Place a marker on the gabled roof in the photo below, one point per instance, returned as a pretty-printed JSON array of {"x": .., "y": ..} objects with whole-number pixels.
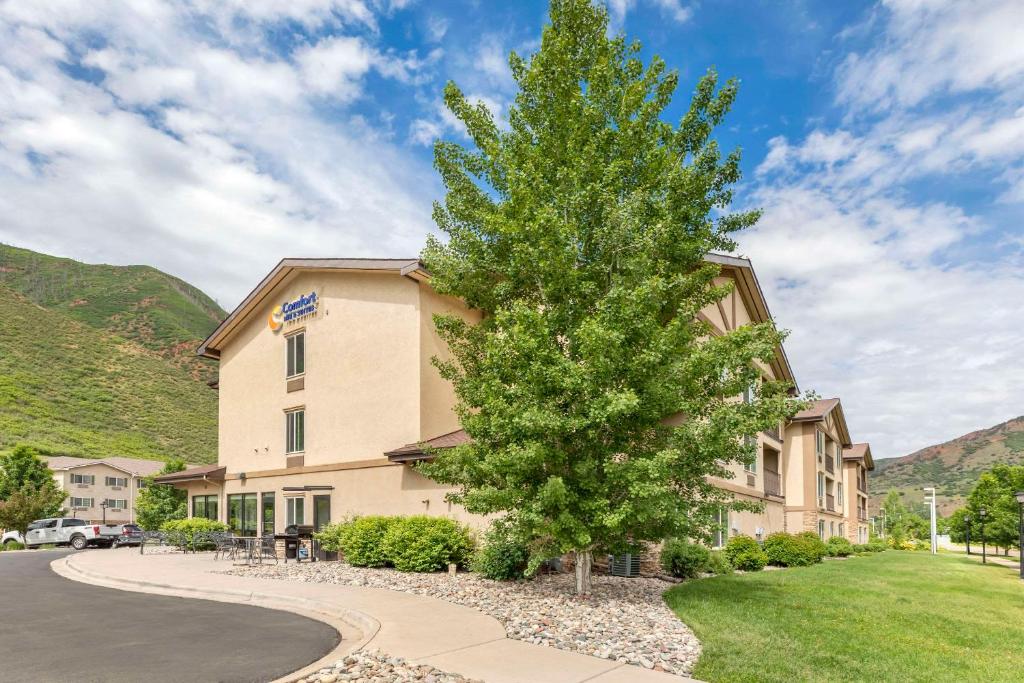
[
  {"x": 413, "y": 452},
  {"x": 412, "y": 268},
  {"x": 133, "y": 466},
  {"x": 861, "y": 452},
  {"x": 750, "y": 290},
  {"x": 202, "y": 473},
  {"x": 819, "y": 410}
]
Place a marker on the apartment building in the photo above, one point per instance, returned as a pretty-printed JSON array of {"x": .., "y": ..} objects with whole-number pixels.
[
  {"x": 327, "y": 393},
  {"x": 101, "y": 489},
  {"x": 857, "y": 462}
]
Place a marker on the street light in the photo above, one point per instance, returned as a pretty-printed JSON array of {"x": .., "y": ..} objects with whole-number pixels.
[
  {"x": 1020, "y": 541},
  {"x": 967, "y": 529},
  {"x": 103, "y": 506},
  {"x": 982, "y": 513}
]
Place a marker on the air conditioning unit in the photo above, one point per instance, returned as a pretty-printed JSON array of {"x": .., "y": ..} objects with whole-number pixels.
[{"x": 624, "y": 565}]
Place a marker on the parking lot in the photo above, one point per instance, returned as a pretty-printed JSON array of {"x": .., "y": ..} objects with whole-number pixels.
[{"x": 53, "y": 629}]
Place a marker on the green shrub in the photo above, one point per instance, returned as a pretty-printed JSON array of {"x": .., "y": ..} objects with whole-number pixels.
[
  {"x": 837, "y": 546},
  {"x": 920, "y": 544},
  {"x": 861, "y": 548},
  {"x": 877, "y": 545},
  {"x": 503, "y": 556},
  {"x": 745, "y": 554},
  {"x": 12, "y": 545},
  {"x": 814, "y": 543},
  {"x": 426, "y": 544},
  {"x": 192, "y": 527},
  {"x": 787, "y": 550},
  {"x": 360, "y": 540},
  {"x": 682, "y": 559},
  {"x": 718, "y": 563}
]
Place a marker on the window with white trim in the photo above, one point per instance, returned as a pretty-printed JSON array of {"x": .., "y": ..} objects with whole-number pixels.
[
  {"x": 83, "y": 479},
  {"x": 116, "y": 481},
  {"x": 117, "y": 504},
  {"x": 819, "y": 443},
  {"x": 839, "y": 494},
  {"x": 296, "y": 350},
  {"x": 296, "y": 510},
  {"x": 821, "y": 484},
  {"x": 81, "y": 502},
  {"x": 295, "y": 431},
  {"x": 821, "y": 529}
]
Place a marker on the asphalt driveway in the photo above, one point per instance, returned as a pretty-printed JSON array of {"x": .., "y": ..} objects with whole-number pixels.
[{"x": 53, "y": 629}]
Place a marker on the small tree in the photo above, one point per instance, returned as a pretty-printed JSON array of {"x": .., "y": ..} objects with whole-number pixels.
[
  {"x": 160, "y": 503},
  {"x": 598, "y": 401},
  {"x": 28, "y": 504},
  {"x": 995, "y": 492},
  {"x": 23, "y": 467}
]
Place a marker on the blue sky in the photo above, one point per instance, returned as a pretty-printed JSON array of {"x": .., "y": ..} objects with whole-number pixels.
[{"x": 884, "y": 141}]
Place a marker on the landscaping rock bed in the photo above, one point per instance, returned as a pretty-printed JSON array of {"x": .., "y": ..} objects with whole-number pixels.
[
  {"x": 375, "y": 666},
  {"x": 625, "y": 620}
]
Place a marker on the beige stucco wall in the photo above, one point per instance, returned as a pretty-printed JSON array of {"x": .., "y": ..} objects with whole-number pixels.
[{"x": 99, "y": 492}]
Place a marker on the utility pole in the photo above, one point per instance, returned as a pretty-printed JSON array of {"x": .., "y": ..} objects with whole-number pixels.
[{"x": 930, "y": 499}]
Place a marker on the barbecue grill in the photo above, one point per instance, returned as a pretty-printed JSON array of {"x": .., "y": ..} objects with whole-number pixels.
[{"x": 296, "y": 536}]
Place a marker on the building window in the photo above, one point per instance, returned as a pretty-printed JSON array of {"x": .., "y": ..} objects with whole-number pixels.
[
  {"x": 842, "y": 529},
  {"x": 295, "y": 431},
  {"x": 116, "y": 481},
  {"x": 296, "y": 354},
  {"x": 81, "y": 502},
  {"x": 831, "y": 529},
  {"x": 242, "y": 513},
  {"x": 819, "y": 443},
  {"x": 296, "y": 511},
  {"x": 204, "y": 507},
  {"x": 821, "y": 529},
  {"x": 117, "y": 504},
  {"x": 267, "y": 512},
  {"x": 721, "y": 525},
  {"x": 83, "y": 479},
  {"x": 839, "y": 494},
  {"x": 821, "y": 485},
  {"x": 140, "y": 483}
]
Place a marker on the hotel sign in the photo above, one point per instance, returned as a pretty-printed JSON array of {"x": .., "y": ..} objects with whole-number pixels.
[{"x": 291, "y": 312}]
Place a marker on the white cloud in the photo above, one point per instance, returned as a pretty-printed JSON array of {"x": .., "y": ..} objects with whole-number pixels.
[
  {"x": 894, "y": 302},
  {"x": 182, "y": 146}
]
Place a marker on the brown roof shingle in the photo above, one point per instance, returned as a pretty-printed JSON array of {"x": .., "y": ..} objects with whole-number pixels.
[
  {"x": 136, "y": 466},
  {"x": 414, "y": 451},
  {"x": 816, "y": 410}
]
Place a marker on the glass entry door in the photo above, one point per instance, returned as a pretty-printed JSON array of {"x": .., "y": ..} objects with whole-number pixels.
[
  {"x": 321, "y": 512},
  {"x": 242, "y": 513}
]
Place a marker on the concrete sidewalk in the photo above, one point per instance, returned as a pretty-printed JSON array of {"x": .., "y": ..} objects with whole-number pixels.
[{"x": 420, "y": 629}]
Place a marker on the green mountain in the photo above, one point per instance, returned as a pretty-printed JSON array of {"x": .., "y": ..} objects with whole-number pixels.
[
  {"x": 99, "y": 360},
  {"x": 140, "y": 303},
  {"x": 952, "y": 467}
]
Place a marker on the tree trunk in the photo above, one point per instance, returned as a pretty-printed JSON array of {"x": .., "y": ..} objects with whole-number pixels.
[{"x": 584, "y": 559}]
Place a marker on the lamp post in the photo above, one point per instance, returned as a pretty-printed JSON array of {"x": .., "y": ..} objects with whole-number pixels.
[
  {"x": 967, "y": 530},
  {"x": 103, "y": 506},
  {"x": 982, "y": 513},
  {"x": 1020, "y": 541}
]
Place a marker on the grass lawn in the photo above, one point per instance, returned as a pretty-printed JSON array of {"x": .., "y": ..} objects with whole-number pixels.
[{"x": 893, "y": 616}]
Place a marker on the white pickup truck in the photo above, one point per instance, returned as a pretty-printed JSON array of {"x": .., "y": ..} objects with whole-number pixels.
[{"x": 76, "y": 533}]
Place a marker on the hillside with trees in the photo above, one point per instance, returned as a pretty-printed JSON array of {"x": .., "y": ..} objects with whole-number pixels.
[
  {"x": 86, "y": 370},
  {"x": 953, "y": 467}
]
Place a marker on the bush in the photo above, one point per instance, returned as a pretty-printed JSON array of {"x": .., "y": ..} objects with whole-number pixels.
[
  {"x": 12, "y": 545},
  {"x": 426, "y": 544},
  {"x": 815, "y": 544},
  {"x": 718, "y": 563},
  {"x": 837, "y": 546},
  {"x": 191, "y": 528},
  {"x": 877, "y": 545},
  {"x": 503, "y": 557},
  {"x": 682, "y": 559},
  {"x": 360, "y": 540},
  {"x": 922, "y": 545},
  {"x": 787, "y": 550},
  {"x": 861, "y": 548},
  {"x": 745, "y": 554}
]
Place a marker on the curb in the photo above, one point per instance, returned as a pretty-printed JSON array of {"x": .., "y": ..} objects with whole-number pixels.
[{"x": 367, "y": 626}]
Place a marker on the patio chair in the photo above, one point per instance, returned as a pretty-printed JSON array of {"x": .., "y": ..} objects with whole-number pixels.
[
  {"x": 268, "y": 548},
  {"x": 151, "y": 538},
  {"x": 224, "y": 545}
]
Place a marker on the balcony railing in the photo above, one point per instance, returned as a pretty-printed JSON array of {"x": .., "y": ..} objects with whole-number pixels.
[
  {"x": 773, "y": 433},
  {"x": 862, "y": 485},
  {"x": 862, "y": 515},
  {"x": 830, "y": 503},
  {"x": 772, "y": 483},
  {"x": 830, "y": 464}
]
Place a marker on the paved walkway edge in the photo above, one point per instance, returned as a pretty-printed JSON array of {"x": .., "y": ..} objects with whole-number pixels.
[{"x": 356, "y": 629}]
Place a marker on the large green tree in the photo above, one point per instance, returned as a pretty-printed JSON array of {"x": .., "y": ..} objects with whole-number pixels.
[
  {"x": 159, "y": 503},
  {"x": 23, "y": 467},
  {"x": 598, "y": 401},
  {"x": 995, "y": 493}
]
